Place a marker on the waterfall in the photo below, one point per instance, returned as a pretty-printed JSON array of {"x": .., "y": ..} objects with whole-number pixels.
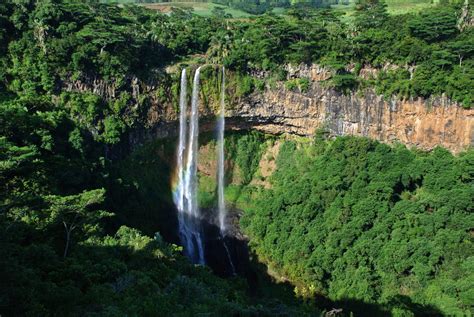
[
  {"x": 194, "y": 239},
  {"x": 220, "y": 172},
  {"x": 179, "y": 191},
  {"x": 186, "y": 191},
  {"x": 220, "y": 159}
]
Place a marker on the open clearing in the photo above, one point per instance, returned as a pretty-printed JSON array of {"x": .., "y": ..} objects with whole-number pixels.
[
  {"x": 205, "y": 8},
  {"x": 200, "y": 8},
  {"x": 393, "y": 6}
]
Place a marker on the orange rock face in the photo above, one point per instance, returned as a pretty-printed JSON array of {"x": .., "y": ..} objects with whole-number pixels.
[{"x": 420, "y": 123}]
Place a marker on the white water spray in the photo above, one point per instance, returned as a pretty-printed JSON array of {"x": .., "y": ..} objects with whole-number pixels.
[
  {"x": 179, "y": 191},
  {"x": 220, "y": 159},
  {"x": 190, "y": 192},
  {"x": 186, "y": 191},
  {"x": 220, "y": 172}
]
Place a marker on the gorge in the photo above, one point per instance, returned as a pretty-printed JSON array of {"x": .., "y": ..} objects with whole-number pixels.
[
  {"x": 279, "y": 114},
  {"x": 280, "y": 111},
  {"x": 281, "y": 117},
  {"x": 312, "y": 160},
  {"x": 418, "y": 123}
]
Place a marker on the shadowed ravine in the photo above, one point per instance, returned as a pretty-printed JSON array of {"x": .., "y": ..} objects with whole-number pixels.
[
  {"x": 210, "y": 234},
  {"x": 159, "y": 155}
]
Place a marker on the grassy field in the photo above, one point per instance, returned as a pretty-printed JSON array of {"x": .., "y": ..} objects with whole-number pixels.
[
  {"x": 205, "y": 8},
  {"x": 200, "y": 8},
  {"x": 393, "y": 6},
  {"x": 407, "y": 6}
]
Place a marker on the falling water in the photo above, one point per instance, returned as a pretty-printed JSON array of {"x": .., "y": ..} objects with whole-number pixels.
[
  {"x": 232, "y": 267},
  {"x": 185, "y": 194},
  {"x": 193, "y": 234},
  {"x": 220, "y": 172},
  {"x": 179, "y": 192},
  {"x": 184, "y": 232},
  {"x": 220, "y": 159}
]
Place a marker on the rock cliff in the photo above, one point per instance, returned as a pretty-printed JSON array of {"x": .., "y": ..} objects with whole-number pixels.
[{"x": 421, "y": 123}]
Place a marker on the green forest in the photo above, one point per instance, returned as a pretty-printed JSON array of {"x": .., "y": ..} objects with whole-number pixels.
[
  {"x": 86, "y": 214},
  {"x": 354, "y": 219}
]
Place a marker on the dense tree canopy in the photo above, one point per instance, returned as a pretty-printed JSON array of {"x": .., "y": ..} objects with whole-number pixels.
[
  {"x": 64, "y": 246},
  {"x": 356, "y": 219},
  {"x": 349, "y": 218},
  {"x": 54, "y": 42},
  {"x": 412, "y": 42}
]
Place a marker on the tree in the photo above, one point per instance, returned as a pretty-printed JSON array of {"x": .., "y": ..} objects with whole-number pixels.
[
  {"x": 463, "y": 45},
  {"x": 76, "y": 212},
  {"x": 361, "y": 220},
  {"x": 219, "y": 12},
  {"x": 434, "y": 24},
  {"x": 370, "y": 14}
]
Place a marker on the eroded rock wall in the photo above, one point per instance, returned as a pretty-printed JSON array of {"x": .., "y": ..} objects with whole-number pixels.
[{"x": 421, "y": 123}]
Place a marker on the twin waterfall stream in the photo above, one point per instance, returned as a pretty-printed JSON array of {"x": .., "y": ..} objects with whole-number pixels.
[{"x": 185, "y": 194}]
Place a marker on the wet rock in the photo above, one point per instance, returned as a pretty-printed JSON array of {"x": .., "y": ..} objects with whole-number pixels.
[{"x": 226, "y": 253}]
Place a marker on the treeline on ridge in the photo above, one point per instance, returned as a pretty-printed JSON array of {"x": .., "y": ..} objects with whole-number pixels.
[
  {"x": 423, "y": 54},
  {"x": 262, "y": 6}
]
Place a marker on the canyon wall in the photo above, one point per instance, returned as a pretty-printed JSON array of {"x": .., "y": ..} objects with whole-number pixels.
[{"x": 420, "y": 123}]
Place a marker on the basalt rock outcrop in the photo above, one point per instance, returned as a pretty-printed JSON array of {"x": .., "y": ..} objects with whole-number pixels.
[
  {"x": 421, "y": 123},
  {"x": 416, "y": 122}
]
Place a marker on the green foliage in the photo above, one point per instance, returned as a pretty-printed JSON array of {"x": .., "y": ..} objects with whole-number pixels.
[
  {"x": 259, "y": 84},
  {"x": 370, "y": 14},
  {"x": 113, "y": 128},
  {"x": 62, "y": 250},
  {"x": 343, "y": 82},
  {"x": 81, "y": 42},
  {"x": 427, "y": 40},
  {"x": 434, "y": 24},
  {"x": 219, "y": 12},
  {"x": 302, "y": 84},
  {"x": 348, "y": 218},
  {"x": 291, "y": 84},
  {"x": 260, "y": 7},
  {"x": 394, "y": 83},
  {"x": 65, "y": 105},
  {"x": 357, "y": 220},
  {"x": 106, "y": 275},
  {"x": 250, "y": 148},
  {"x": 272, "y": 40},
  {"x": 245, "y": 86}
]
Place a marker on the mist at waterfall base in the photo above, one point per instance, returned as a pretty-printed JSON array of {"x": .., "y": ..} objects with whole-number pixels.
[{"x": 204, "y": 240}]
